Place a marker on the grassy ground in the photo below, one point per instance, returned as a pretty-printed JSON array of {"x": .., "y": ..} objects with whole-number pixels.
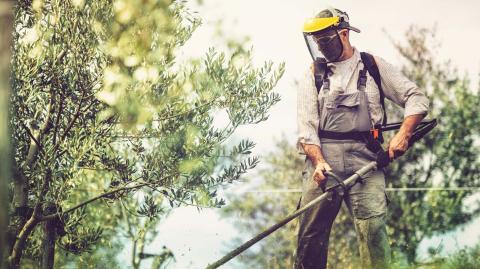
[{"x": 466, "y": 258}]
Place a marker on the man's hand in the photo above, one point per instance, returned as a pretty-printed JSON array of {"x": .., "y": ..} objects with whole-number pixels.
[
  {"x": 399, "y": 143},
  {"x": 314, "y": 153},
  {"x": 318, "y": 174}
]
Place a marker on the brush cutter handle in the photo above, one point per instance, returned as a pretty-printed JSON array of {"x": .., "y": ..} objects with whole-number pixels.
[{"x": 383, "y": 158}]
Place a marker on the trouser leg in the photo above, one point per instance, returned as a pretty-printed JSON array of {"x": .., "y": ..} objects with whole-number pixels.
[
  {"x": 373, "y": 242},
  {"x": 368, "y": 203},
  {"x": 315, "y": 224},
  {"x": 314, "y": 231}
]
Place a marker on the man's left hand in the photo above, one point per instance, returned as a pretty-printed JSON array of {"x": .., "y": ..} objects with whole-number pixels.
[{"x": 398, "y": 145}]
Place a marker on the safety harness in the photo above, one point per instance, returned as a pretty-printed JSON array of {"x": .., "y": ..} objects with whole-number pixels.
[
  {"x": 374, "y": 137},
  {"x": 321, "y": 78}
]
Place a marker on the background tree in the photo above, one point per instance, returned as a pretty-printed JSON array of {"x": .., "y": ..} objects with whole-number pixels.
[
  {"x": 447, "y": 157},
  {"x": 6, "y": 20},
  {"x": 104, "y": 114}
]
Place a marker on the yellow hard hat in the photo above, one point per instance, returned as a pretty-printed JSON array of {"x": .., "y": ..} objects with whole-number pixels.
[{"x": 326, "y": 19}]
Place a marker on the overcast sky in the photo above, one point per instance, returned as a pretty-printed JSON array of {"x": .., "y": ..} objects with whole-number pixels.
[{"x": 274, "y": 27}]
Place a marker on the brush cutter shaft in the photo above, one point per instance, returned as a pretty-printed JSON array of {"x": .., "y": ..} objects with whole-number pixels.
[{"x": 350, "y": 181}]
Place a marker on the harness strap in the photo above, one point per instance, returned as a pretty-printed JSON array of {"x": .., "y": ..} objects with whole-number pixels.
[
  {"x": 344, "y": 135},
  {"x": 421, "y": 130},
  {"x": 372, "y": 68},
  {"x": 320, "y": 73},
  {"x": 362, "y": 79}
]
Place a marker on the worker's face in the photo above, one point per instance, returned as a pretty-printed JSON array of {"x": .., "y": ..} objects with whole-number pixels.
[{"x": 331, "y": 43}]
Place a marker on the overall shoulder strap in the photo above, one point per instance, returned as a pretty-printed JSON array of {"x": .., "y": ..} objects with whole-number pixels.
[
  {"x": 319, "y": 73},
  {"x": 372, "y": 68}
]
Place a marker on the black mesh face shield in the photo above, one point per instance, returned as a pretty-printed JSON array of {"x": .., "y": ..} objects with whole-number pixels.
[
  {"x": 321, "y": 34},
  {"x": 324, "y": 45}
]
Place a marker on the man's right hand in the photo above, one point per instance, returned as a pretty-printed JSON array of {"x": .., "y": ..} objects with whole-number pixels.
[
  {"x": 315, "y": 155},
  {"x": 319, "y": 173}
]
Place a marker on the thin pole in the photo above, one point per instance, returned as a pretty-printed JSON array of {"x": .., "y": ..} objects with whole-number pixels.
[
  {"x": 350, "y": 181},
  {"x": 399, "y": 189}
]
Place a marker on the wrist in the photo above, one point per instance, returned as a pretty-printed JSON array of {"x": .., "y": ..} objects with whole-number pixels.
[
  {"x": 405, "y": 133},
  {"x": 318, "y": 161}
]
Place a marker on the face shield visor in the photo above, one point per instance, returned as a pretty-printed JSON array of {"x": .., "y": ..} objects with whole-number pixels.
[
  {"x": 323, "y": 39},
  {"x": 325, "y": 44}
]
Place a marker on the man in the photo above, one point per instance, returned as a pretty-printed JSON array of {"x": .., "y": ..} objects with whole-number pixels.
[{"x": 330, "y": 117}]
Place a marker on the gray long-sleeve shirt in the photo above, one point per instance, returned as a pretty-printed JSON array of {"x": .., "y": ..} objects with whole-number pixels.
[{"x": 396, "y": 87}]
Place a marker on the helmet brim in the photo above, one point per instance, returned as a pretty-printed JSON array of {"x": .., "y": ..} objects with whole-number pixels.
[{"x": 353, "y": 28}]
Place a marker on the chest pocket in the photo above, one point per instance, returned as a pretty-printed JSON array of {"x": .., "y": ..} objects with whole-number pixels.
[
  {"x": 328, "y": 99},
  {"x": 334, "y": 101},
  {"x": 340, "y": 101},
  {"x": 344, "y": 112}
]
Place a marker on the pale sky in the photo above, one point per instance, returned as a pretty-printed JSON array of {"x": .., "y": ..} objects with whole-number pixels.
[{"x": 274, "y": 27}]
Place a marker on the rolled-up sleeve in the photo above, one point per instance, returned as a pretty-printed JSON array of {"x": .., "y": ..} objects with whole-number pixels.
[
  {"x": 307, "y": 112},
  {"x": 401, "y": 90}
]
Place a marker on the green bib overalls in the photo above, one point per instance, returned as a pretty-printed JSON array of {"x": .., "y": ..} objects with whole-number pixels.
[{"x": 367, "y": 201}]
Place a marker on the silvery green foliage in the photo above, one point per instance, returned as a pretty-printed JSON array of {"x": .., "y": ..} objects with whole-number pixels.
[
  {"x": 447, "y": 157},
  {"x": 101, "y": 107}
]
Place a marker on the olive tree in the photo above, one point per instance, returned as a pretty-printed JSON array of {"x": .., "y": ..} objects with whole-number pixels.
[{"x": 103, "y": 113}]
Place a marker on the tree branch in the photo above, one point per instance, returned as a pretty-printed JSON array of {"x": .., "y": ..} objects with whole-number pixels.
[
  {"x": 15, "y": 256},
  {"x": 72, "y": 121},
  {"x": 184, "y": 112},
  {"x": 35, "y": 145},
  {"x": 57, "y": 120},
  {"x": 32, "y": 137},
  {"x": 93, "y": 199}
]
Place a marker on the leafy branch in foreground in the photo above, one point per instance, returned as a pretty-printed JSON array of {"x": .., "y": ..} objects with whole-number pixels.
[{"x": 103, "y": 114}]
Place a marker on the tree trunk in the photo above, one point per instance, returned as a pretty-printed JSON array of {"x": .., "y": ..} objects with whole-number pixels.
[
  {"x": 48, "y": 244},
  {"x": 6, "y": 29}
]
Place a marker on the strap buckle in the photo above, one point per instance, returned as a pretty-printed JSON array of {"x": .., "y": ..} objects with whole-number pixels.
[
  {"x": 362, "y": 78},
  {"x": 375, "y": 132}
]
